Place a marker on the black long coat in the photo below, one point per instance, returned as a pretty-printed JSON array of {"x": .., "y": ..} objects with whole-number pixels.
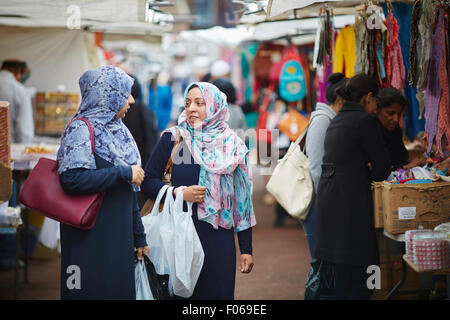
[{"x": 345, "y": 232}]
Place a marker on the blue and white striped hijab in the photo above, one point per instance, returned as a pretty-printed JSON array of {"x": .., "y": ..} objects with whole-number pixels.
[{"x": 104, "y": 92}]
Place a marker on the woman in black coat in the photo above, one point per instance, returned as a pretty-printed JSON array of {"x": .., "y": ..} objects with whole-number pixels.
[{"x": 354, "y": 157}]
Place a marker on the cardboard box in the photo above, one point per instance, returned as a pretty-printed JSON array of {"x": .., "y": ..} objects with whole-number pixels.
[
  {"x": 377, "y": 188},
  {"x": 408, "y": 206},
  {"x": 5, "y": 153}
]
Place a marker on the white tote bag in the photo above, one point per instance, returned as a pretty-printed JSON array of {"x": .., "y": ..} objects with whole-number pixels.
[
  {"x": 152, "y": 225},
  {"x": 291, "y": 183},
  {"x": 188, "y": 250}
]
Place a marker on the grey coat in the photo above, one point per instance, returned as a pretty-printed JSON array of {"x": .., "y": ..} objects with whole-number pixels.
[{"x": 314, "y": 145}]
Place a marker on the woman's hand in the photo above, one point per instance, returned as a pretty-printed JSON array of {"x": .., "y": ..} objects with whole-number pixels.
[
  {"x": 193, "y": 193},
  {"x": 443, "y": 164},
  {"x": 143, "y": 250},
  {"x": 138, "y": 175},
  {"x": 246, "y": 263},
  {"x": 414, "y": 163}
]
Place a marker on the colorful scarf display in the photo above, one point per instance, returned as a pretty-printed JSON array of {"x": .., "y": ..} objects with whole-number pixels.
[{"x": 224, "y": 163}]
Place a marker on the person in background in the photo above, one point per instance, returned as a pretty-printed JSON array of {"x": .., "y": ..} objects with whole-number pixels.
[
  {"x": 160, "y": 99},
  {"x": 141, "y": 122},
  {"x": 237, "y": 119},
  {"x": 218, "y": 183},
  {"x": 104, "y": 254},
  {"x": 220, "y": 69},
  {"x": 391, "y": 105},
  {"x": 13, "y": 74},
  {"x": 314, "y": 144},
  {"x": 345, "y": 237}
]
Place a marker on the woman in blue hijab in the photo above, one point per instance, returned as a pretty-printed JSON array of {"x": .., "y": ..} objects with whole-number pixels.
[{"x": 99, "y": 263}]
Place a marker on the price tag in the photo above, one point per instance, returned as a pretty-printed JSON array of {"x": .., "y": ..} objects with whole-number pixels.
[{"x": 406, "y": 213}]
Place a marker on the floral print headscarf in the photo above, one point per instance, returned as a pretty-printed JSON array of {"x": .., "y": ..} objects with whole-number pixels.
[
  {"x": 224, "y": 163},
  {"x": 104, "y": 92}
]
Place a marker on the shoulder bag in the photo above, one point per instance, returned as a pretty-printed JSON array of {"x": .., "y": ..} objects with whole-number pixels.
[
  {"x": 295, "y": 197},
  {"x": 42, "y": 191}
]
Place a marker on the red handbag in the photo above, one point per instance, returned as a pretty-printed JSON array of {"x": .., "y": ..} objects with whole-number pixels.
[{"x": 42, "y": 192}]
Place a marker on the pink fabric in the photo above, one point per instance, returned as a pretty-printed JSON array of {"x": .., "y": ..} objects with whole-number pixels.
[
  {"x": 432, "y": 92},
  {"x": 443, "y": 131},
  {"x": 395, "y": 69}
]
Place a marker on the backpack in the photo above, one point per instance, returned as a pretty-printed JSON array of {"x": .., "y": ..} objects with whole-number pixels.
[
  {"x": 292, "y": 83},
  {"x": 263, "y": 61}
]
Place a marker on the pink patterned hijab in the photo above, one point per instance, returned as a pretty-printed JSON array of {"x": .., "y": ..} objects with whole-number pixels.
[{"x": 223, "y": 160}]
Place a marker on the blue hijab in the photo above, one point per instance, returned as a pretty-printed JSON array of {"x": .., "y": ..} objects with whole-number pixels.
[{"x": 104, "y": 92}]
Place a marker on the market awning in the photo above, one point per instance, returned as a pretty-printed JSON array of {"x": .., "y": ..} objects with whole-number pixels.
[
  {"x": 119, "y": 16},
  {"x": 304, "y": 8}
]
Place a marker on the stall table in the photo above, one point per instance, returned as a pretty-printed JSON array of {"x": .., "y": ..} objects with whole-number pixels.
[
  {"x": 23, "y": 163},
  {"x": 405, "y": 262},
  {"x": 12, "y": 229}
]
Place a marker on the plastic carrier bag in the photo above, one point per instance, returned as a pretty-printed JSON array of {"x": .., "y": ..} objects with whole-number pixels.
[
  {"x": 143, "y": 291},
  {"x": 152, "y": 224},
  {"x": 182, "y": 246},
  {"x": 321, "y": 281},
  {"x": 174, "y": 246}
]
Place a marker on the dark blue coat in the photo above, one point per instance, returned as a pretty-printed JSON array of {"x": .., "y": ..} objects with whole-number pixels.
[
  {"x": 217, "y": 278},
  {"x": 104, "y": 254}
]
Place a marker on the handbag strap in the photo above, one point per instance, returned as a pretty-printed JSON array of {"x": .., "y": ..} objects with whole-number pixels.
[
  {"x": 169, "y": 165},
  {"x": 91, "y": 131}
]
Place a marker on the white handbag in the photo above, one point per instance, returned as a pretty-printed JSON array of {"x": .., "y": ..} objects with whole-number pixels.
[{"x": 291, "y": 183}]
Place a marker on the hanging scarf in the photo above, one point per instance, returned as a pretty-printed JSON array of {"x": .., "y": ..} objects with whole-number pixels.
[
  {"x": 443, "y": 131},
  {"x": 394, "y": 58},
  {"x": 224, "y": 165},
  {"x": 432, "y": 92},
  {"x": 104, "y": 92}
]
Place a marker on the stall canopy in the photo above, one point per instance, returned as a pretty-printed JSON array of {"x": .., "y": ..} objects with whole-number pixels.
[
  {"x": 277, "y": 9},
  {"x": 57, "y": 57},
  {"x": 118, "y": 16}
]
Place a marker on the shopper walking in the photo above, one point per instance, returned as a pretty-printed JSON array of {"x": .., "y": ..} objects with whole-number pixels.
[
  {"x": 104, "y": 255},
  {"x": 314, "y": 145},
  {"x": 354, "y": 156},
  {"x": 212, "y": 162}
]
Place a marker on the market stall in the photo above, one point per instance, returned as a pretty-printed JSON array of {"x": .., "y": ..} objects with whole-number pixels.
[
  {"x": 401, "y": 44},
  {"x": 59, "y": 42}
]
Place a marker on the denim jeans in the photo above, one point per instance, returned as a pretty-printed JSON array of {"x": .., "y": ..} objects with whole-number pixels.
[{"x": 308, "y": 226}]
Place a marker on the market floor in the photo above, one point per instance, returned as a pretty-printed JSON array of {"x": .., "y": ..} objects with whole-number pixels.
[{"x": 280, "y": 254}]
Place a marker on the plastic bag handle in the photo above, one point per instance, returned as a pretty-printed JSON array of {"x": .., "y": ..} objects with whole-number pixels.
[
  {"x": 161, "y": 192},
  {"x": 179, "y": 200}
]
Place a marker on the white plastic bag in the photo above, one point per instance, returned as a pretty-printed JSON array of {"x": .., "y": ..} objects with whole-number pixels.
[
  {"x": 182, "y": 246},
  {"x": 49, "y": 235},
  {"x": 152, "y": 225},
  {"x": 143, "y": 290}
]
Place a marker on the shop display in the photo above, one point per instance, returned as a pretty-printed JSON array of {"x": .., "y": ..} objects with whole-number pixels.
[
  {"x": 408, "y": 206},
  {"x": 431, "y": 251},
  {"x": 409, "y": 236},
  {"x": 5, "y": 153},
  {"x": 53, "y": 112}
]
